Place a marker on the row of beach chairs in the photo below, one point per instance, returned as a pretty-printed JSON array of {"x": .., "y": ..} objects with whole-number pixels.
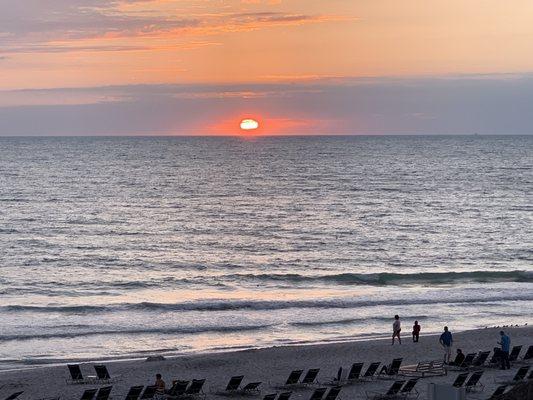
[
  {"x": 76, "y": 376},
  {"x": 481, "y": 359}
]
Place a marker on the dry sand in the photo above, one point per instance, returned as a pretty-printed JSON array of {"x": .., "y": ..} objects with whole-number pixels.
[{"x": 270, "y": 365}]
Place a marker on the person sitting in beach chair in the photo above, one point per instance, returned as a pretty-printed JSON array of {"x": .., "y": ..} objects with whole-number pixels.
[
  {"x": 459, "y": 358},
  {"x": 159, "y": 386}
]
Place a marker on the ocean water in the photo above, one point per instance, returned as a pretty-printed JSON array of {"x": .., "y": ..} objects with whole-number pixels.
[{"x": 122, "y": 247}]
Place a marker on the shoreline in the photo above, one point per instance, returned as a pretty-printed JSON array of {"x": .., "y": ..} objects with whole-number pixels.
[
  {"x": 20, "y": 365},
  {"x": 269, "y": 365}
]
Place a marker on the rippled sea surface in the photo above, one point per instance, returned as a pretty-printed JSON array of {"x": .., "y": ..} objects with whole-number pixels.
[{"x": 122, "y": 247}]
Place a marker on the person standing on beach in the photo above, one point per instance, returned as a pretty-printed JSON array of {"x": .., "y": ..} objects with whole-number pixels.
[
  {"x": 446, "y": 341},
  {"x": 396, "y": 329},
  {"x": 505, "y": 342},
  {"x": 416, "y": 332}
]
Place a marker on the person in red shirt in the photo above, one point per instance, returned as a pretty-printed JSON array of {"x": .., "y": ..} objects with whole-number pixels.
[{"x": 416, "y": 331}]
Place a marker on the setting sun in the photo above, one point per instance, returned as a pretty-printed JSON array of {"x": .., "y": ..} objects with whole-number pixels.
[{"x": 249, "y": 124}]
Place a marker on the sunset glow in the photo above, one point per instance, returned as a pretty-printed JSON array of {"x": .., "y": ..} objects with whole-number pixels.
[{"x": 249, "y": 124}]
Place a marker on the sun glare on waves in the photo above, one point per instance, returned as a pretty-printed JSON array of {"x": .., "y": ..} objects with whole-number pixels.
[{"x": 249, "y": 124}]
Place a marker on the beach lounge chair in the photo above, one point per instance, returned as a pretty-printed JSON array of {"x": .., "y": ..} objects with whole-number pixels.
[
  {"x": 318, "y": 393},
  {"x": 178, "y": 388},
  {"x": 408, "y": 390},
  {"x": 392, "y": 369},
  {"x": 134, "y": 393},
  {"x": 424, "y": 369},
  {"x": 498, "y": 392},
  {"x": 354, "y": 375},
  {"x": 234, "y": 383},
  {"x": 13, "y": 396},
  {"x": 103, "y": 393},
  {"x": 195, "y": 389},
  {"x": 294, "y": 377},
  {"x": 460, "y": 380},
  {"x": 310, "y": 377},
  {"x": 473, "y": 383},
  {"x": 467, "y": 362},
  {"x": 371, "y": 371},
  {"x": 149, "y": 392},
  {"x": 529, "y": 354},
  {"x": 480, "y": 359},
  {"x": 88, "y": 394},
  {"x": 515, "y": 352},
  {"x": 76, "y": 377},
  {"x": 519, "y": 376},
  {"x": 284, "y": 396},
  {"x": 389, "y": 394},
  {"x": 271, "y": 396},
  {"x": 102, "y": 374},
  {"x": 333, "y": 393},
  {"x": 234, "y": 387}
]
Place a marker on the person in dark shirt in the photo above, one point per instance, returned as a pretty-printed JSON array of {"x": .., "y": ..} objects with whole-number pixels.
[
  {"x": 446, "y": 341},
  {"x": 505, "y": 342},
  {"x": 459, "y": 358},
  {"x": 416, "y": 332}
]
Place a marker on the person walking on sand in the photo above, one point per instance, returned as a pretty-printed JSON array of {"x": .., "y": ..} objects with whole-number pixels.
[
  {"x": 505, "y": 342},
  {"x": 416, "y": 332},
  {"x": 396, "y": 329},
  {"x": 446, "y": 341}
]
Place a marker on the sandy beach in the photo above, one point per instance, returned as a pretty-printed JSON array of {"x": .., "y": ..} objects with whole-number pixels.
[{"x": 271, "y": 366}]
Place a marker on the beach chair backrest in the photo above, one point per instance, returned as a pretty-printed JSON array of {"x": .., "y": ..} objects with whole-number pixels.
[
  {"x": 481, "y": 358},
  {"x": 514, "y": 353},
  {"x": 474, "y": 379},
  {"x": 285, "y": 396},
  {"x": 318, "y": 394},
  {"x": 311, "y": 375},
  {"x": 468, "y": 359},
  {"x": 103, "y": 393},
  {"x": 88, "y": 394},
  {"x": 196, "y": 386},
  {"x": 101, "y": 372},
  {"x": 371, "y": 370},
  {"x": 252, "y": 386},
  {"x": 234, "y": 383},
  {"x": 460, "y": 380},
  {"x": 134, "y": 392},
  {"x": 529, "y": 353},
  {"x": 149, "y": 392},
  {"x": 75, "y": 372},
  {"x": 355, "y": 371},
  {"x": 521, "y": 373},
  {"x": 395, "y": 366},
  {"x": 294, "y": 377},
  {"x": 13, "y": 396},
  {"x": 395, "y": 388},
  {"x": 178, "y": 388},
  {"x": 409, "y": 386},
  {"x": 333, "y": 393},
  {"x": 498, "y": 392}
]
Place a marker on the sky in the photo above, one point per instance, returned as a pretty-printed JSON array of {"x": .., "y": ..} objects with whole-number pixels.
[{"x": 187, "y": 67}]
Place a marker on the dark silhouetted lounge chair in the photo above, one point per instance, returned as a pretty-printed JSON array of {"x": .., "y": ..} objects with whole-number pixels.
[
  {"x": 391, "y": 393},
  {"x": 480, "y": 359},
  {"x": 134, "y": 393},
  {"x": 102, "y": 374},
  {"x": 318, "y": 394},
  {"x": 473, "y": 384},
  {"x": 103, "y": 393},
  {"x": 178, "y": 388},
  {"x": 519, "y": 376},
  {"x": 196, "y": 388},
  {"x": 310, "y": 376},
  {"x": 498, "y": 392},
  {"x": 13, "y": 396},
  {"x": 529, "y": 354},
  {"x": 88, "y": 394},
  {"x": 515, "y": 352},
  {"x": 460, "y": 380},
  {"x": 333, "y": 393},
  {"x": 354, "y": 375},
  {"x": 408, "y": 390},
  {"x": 294, "y": 377},
  {"x": 76, "y": 377},
  {"x": 234, "y": 383},
  {"x": 149, "y": 392},
  {"x": 392, "y": 369},
  {"x": 467, "y": 362},
  {"x": 284, "y": 396},
  {"x": 371, "y": 371}
]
